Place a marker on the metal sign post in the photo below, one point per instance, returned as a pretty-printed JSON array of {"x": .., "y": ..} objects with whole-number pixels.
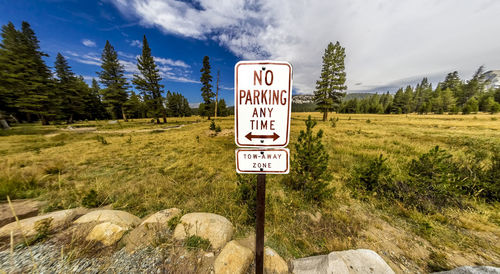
[
  {"x": 262, "y": 100},
  {"x": 259, "y": 224}
]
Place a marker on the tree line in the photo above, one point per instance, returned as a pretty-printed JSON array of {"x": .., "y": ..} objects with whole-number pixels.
[
  {"x": 31, "y": 91},
  {"x": 453, "y": 96}
]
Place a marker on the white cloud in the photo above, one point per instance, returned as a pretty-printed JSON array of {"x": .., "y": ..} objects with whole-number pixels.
[
  {"x": 167, "y": 61},
  {"x": 387, "y": 42},
  {"x": 88, "y": 59},
  {"x": 88, "y": 43},
  {"x": 136, "y": 43}
]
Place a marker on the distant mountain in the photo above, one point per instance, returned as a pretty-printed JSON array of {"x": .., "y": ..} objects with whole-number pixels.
[
  {"x": 360, "y": 95},
  {"x": 302, "y": 99}
]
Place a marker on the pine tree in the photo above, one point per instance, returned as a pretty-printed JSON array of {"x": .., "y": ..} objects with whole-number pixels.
[
  {"x": 398, "y": 103},
  {"x": 328, "y": 93},
  {"x": 133, "y": 106},
  {"x": 70, "y": 90},
  {"x": 222, "y": 108},
  {"x": 453, "y": 82},
  {"x": 148, "y": 82},
  {"x": 206, "y": 89},
  {"x": 10, "y": 69},
  {"x": 94, "y": 108},
  {"x": 473, "y": 87},
  {"x": 310, "y": 163},
  {"x": 115, "y": 94},
  {"x": 37, "y": 92}
]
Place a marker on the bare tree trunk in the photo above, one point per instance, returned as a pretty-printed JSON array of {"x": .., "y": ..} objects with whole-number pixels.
[
  {"x": 217, "y": 95},
  {"x": 164, "y": 116},
  {"x": 14, "y": 118},
  {"x": 3, "y": 122},
  {"x": 124, "y": 116},
  {"x": 325, "y": 115},
  {"x": 158, "y": 120},
  {"x": 70, "y": 119}
]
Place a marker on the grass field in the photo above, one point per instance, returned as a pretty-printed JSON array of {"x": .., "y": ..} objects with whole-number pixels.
[{"x": 142, "y": 168}]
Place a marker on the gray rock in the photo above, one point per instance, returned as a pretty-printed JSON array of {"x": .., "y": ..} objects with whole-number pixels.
[
  {"x": 349, "y": 261},
  {"x": 473, "y": 270},
  {"x": 22, "y": 208}
]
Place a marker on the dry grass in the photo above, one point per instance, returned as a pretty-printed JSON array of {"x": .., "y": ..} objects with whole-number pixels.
[{"x": 143, "y": 170}]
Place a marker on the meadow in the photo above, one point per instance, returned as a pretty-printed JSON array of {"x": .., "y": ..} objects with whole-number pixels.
[{"x": 143, "y": 167}]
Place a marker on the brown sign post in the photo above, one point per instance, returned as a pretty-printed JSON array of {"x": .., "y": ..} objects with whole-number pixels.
[{"x": 262, "y": 100}]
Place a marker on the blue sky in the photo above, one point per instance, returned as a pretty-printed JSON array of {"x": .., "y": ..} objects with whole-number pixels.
[
  {"x": 389, "y": 43},
  {"x": 79, "y": 30}
]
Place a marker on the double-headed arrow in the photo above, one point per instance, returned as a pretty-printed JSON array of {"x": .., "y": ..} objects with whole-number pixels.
[{"x": 250, "y": 136}]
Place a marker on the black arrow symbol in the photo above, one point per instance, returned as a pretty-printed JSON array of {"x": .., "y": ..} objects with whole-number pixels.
[{"x": 250, "y": 136}]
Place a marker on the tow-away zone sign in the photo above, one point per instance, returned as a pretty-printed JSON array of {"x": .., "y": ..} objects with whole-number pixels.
[
  {"x": 263, "y": 94},
  {"x": 263, "y": 160}
]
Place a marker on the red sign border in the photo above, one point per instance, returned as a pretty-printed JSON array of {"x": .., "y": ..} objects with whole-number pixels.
[
  {"x": 264, "y": 149},
  {"x": 236, "y": 101}
]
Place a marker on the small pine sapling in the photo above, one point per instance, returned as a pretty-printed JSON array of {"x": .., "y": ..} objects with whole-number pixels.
[{"x": 309, "y": 165}]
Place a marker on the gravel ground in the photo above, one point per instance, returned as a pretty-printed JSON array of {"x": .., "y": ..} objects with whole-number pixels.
[{"x": 47, "y": 259}]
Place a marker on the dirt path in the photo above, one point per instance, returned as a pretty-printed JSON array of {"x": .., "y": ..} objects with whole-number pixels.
[{"x": 94, "y": 130}]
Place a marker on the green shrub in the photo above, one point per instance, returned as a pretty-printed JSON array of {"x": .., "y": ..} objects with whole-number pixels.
[
  {"x": 309, "y": 166},
  {"x": 173, "y": 222},
  {"x": 102, "y": 140},
  {"x": 246, "y": 194},
  {"x": 91, "y": 199},
  {"x": 196, "y": 242},
  {"x": 430, "y": 182},
  {"x": 212, "y": 125},
  {"x": 333, "y": 122},
  {"x": 218, "y": 129},
  {"x": 374, "y": 174},
  {"x": 42, "y": 228}
]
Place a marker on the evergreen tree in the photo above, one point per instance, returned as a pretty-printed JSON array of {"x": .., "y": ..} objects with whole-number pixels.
[
  {"x": 329, "y": 87},
  {"x": 310, "y": 163},
  {"x": 177, "y": 105},
  {"x": 133, "y": 106},
  {"x": 473, "y": 87},
  {"x": 94, "y": 108},
  {"x": 35, "y": 94},
  {"x": 70, "y": 91},
  {"x": 453, "y": 82},
  {"x": 222, "y": 108},
  {"x": 11, "y": 71},
  {"x": 115, "y": 94},
  {"x": 148, "y": 82},
  {"x": 206, "y": 89},
  {"x": 408, "y": 100},
  {"x": 398, "y": 103}
]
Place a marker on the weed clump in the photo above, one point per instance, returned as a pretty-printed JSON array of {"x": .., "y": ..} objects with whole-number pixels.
[
  {"x": 196, "y": 242},
  {"x": 333, "y": 122},
  {"x": 432, "y": 181},
  {"x": 309, "y": 174},
  {"x": 172, "y": 223},
  {"x": 102, "y": 140},
  {"x": 91, "y": 199},
  {"x": 42, "y": 228},
  {"x": 246, "y": 193}
]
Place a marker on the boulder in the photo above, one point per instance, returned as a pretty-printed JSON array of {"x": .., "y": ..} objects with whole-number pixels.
[
  {"x": 349, "y": 261},
  {"x": 217, "y": 229},
  {"x": 23, "y": 209},
  {"x": 273, "y": 263},
  {"x": 116, "y": 217},
  {"x": 107, "y": 233},
  {"x": 153, "y": 229},
  {"x": 28, "y": 226},
  {"x": 162, "y": 217},
  {"x": 233, "y": 259},
  {"x": 472, "y": 270}
]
